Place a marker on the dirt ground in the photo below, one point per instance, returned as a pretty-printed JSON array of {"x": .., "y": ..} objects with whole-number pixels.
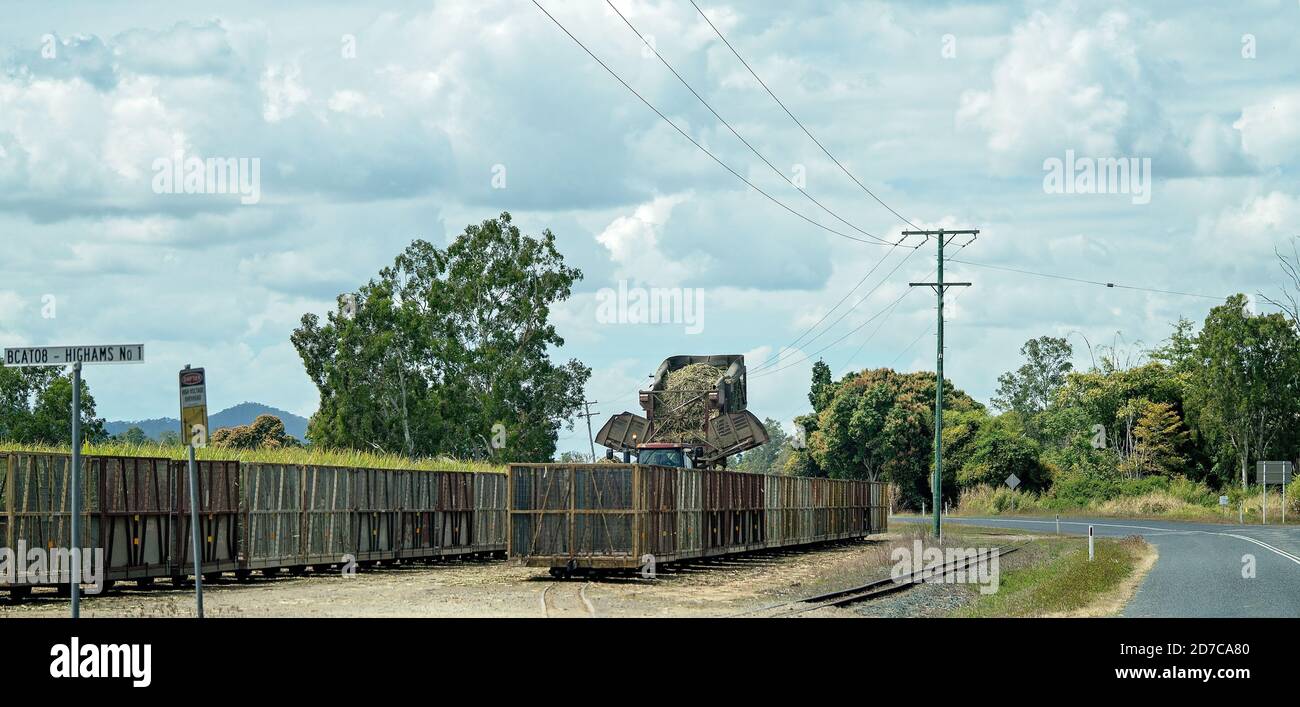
[{"x": 462, "y": 589}]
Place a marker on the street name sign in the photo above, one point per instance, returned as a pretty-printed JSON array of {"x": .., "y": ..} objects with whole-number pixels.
[{"x": 65, "y": 355}]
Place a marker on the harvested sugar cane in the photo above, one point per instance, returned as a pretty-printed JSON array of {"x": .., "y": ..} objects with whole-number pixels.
[{"x": 681, "y": 409}]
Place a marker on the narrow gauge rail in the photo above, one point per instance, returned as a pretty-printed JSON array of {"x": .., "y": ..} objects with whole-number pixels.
[
  {"x": 872, "y": 590},
  {"x": 253, "y": 516},
  {"x": 581, "y": 518}
]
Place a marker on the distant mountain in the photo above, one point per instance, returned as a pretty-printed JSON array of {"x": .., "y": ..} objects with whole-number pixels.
[{"x": 241, "y": 414}]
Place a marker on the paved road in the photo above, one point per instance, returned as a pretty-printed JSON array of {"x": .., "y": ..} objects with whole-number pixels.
[{"x": 1199, "y": 571}]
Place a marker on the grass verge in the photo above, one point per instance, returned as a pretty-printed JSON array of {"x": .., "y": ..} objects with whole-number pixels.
[{"x": 1066, "y": 583}]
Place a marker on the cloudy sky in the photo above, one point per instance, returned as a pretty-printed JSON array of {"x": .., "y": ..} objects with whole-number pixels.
[{"x": 377, "y": 123}]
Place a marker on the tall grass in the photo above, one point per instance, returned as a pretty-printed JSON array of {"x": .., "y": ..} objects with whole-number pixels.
[
  {"x": 1176, "y": 498},
  {"x": 283, "y": 455}
]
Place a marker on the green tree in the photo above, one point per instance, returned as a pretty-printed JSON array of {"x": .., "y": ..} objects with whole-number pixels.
[
  {"x": 1029, "y": 390},
  {"x": 19, "y": 388},
  {"x": 265, "y": 432},
  {"x": 50, "y": 421},
  {"x": 1243, "y": 390},
  {"x": 822, "y": 387},
  {"x": 769, "y": 457},
  {"x": 446, "y": 352},
  {"x": 1179, "y": 351},
  {"x": 879, "y": 424},
  {"x": 986, "y": 450},
  {"x": 1159, "y": 437},
  {"x": 1111, "y": 399},
  {"x": 134, "y": 435}
]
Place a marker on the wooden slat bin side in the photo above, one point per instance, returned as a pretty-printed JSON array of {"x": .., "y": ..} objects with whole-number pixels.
[
  {"x": 271, "y": 511},
  {"x": 219, "y": 522}
]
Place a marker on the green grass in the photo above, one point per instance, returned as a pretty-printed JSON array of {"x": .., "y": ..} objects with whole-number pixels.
[
  {"x": 1062, "y": 581},
  {"x": 1178, "y": 501},
  {"x": 285, "y": 455}
]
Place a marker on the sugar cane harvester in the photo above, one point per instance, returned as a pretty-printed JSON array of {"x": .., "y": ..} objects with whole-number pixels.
[{"x": 695, "y": 416}]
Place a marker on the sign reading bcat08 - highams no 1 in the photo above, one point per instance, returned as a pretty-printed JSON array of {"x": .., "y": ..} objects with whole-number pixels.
[{"x": 65, "y": 355}]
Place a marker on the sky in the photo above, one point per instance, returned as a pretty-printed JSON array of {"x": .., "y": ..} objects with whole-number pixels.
[{"x": 373, "y": 124}]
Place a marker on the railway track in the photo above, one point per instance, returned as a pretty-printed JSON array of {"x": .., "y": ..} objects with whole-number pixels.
[
  {"x": 870, "y": 590},
  {"x": 567, "y": 600}
]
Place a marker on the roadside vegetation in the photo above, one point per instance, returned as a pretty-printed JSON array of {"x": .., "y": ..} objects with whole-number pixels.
[
  {"x": 1159, "y": 431},
  {"x": 1062, "y": 582}
]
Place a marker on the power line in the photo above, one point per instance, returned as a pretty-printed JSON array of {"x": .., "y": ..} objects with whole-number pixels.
[
  {"x": 927, "y": 330},
  {"x": 702, "y": 148},
  {"x": 777, "y": 354},
  {"x": 770, "y": 361},
  {"x": 723, "y": 164},
  {"x": 946, "y": 259},
  {"x": 872, "y": 335},
  {"x": 1086, "y": 281},
  {"x": 798, "y": 122},
  {"x": 851, "y": 332},
  {"x": 722, "y": 120}
]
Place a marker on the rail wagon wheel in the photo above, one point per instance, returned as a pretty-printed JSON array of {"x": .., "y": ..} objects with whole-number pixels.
[
  {"x": 20, "y": 592},
  {"x": 144, "y": 582},
  {"x": 243, "y": 575}
]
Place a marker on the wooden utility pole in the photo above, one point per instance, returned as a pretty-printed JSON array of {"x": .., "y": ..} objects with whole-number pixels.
[
  {"x": 939, "y": 286},
  {"x": 587, "y": 413}
]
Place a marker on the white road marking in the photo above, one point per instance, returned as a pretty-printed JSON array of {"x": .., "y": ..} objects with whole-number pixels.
[{"x": 1277, "y": 550}]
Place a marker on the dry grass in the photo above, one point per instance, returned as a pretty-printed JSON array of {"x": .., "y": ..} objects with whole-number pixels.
[
  {"x": 988, "y": 501},
  {"x": 284, "y": 455},
  {"x": 1158, "y": 504}
]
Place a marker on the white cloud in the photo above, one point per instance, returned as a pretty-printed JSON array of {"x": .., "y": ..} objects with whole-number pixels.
[
  {"x": 1248, "y": 232},
  {"x": 1068, "y": 82},
  {"x": 354, "y": 102},
  {"x": 633, "y": 245},
  {"x": 282, "y": 92},
  {"x": 1270, "y": 131}
]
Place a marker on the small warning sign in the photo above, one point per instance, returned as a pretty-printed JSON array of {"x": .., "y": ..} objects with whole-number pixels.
[{"x": 194, "y": 407}]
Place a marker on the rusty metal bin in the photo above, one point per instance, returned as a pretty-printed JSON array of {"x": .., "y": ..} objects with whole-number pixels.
[
  {"x": 271, "y": 503},
  {"x": 218, "y": 483}
]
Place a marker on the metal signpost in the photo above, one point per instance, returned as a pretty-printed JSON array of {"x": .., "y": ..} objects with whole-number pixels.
[
  {"x": 194, "y": 426},
  {"x": 74, "y": 355},
  {"x": 1272, "y": 473}
]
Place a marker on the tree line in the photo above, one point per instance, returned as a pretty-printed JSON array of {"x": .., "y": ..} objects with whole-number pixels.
[{"x": 1204, "y": 405}]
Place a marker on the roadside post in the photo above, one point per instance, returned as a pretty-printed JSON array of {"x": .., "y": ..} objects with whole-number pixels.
[
  {"x": 194, "y": 423},
  {"x": 1058, "y": 523},
  {"x": 75, "y": 504},
  {"x": 1272, "y": 473},
  {"x": 74, "y": 355},
  {"x": 1090, "y": 544}
]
